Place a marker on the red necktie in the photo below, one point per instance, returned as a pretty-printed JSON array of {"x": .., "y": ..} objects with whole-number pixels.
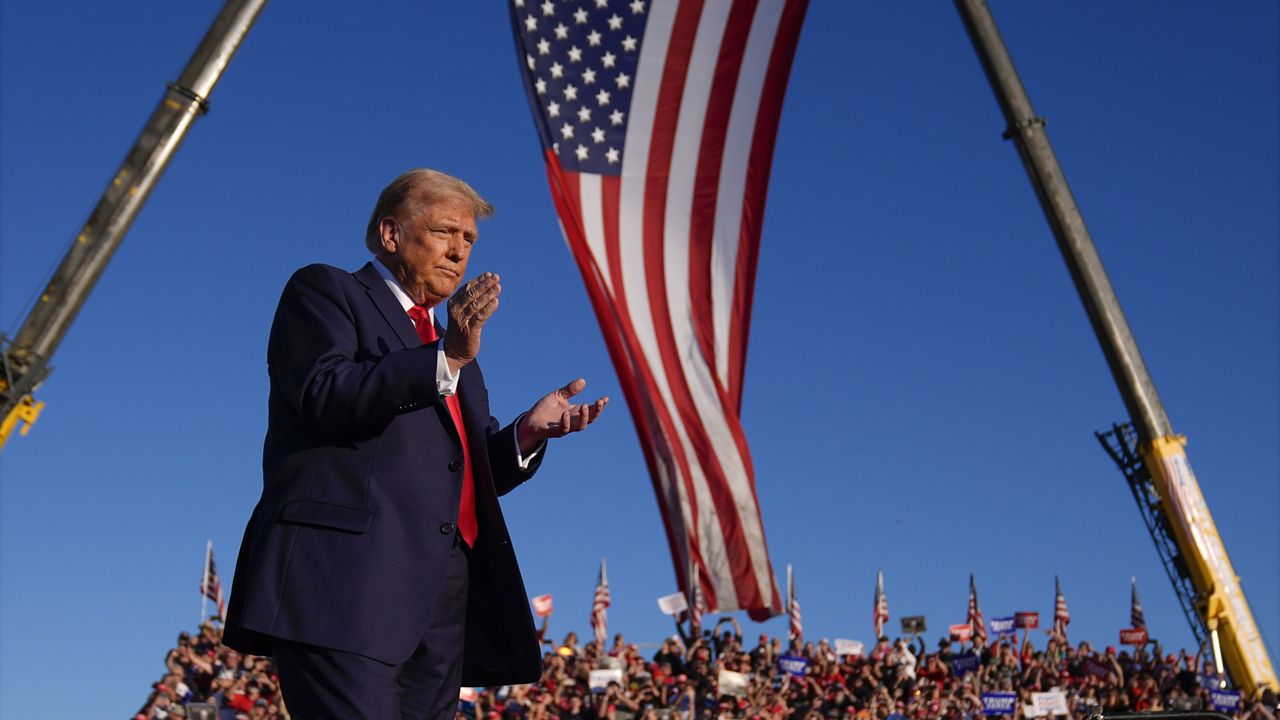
[{"x": 467, "y": 505}]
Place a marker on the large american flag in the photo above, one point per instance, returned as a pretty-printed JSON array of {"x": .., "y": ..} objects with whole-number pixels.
[
  {"x": 211, "y": 584},
  {"x": 1136, "y": 618},
  {"x": 599, "y": 605},
  {"x": 880, "y": 606},
  {"x": 977, "y": 625},
  {"x": 1061, "y": 617},
  {"x": 657, "y": 121},
  {"x": 795, "y": 631}
]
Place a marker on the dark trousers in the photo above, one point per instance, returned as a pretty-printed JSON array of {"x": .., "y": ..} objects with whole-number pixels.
[{"x": 323, "y": 684}]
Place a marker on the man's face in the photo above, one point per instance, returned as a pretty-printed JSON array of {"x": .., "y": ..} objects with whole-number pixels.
[{"x": 427, "y": 250}]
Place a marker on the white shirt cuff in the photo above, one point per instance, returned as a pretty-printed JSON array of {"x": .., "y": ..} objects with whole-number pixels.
[
  {"x": 446, "y": 378},
  {"x": 521, "y": 460}
]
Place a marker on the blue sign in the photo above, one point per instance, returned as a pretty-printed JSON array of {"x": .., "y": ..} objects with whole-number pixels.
[
  {"x": 1002, "y": 626},
  {"x": 964, "y": 663},
  {"x": 793, "y": 665},
  {"x": 999, "y": 703},
  {"x": 1225, "y": 701}
]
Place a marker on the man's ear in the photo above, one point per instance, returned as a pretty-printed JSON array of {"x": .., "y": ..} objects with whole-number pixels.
[{"x": 389, "y": 230}]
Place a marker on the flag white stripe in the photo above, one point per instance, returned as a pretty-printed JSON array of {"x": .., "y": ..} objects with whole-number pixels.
[
  {"x": 589, "y": 200},
  {"x": 733, "y": 176}
]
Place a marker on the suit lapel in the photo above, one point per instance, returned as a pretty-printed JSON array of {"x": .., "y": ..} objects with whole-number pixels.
[
  {"x": 399, "y": 321},
  {"x": 387, "y": 304}
]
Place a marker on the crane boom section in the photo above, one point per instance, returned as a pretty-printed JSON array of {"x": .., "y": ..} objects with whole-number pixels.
[{"x": 25, "y": 359}]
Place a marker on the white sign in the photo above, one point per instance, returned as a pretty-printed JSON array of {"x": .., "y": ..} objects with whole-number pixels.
[
  {"x": 467, "y": 694},
  {"x": 600, "y": 679},
  {"x": 733, "y": 683},
  {"x": 672, "y": 604},
  {"x": 1053, "y": 702},
  {"x": 849, "y": 647},
  {"x": 542, "y": 605}
]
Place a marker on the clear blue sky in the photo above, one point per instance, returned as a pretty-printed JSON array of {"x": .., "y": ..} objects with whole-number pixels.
[{"x": 922, "y": 384}]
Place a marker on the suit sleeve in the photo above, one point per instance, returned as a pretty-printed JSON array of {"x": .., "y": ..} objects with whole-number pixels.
[
  {"x": 507, "y": 473},
  {"x": 336, "y": 386}
]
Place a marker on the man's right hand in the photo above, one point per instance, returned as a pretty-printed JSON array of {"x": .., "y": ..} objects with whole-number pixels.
[{"x": 469, "y": 309}]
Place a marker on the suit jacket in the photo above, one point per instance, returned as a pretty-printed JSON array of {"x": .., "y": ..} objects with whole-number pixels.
[{"x": 362, "y": 475}]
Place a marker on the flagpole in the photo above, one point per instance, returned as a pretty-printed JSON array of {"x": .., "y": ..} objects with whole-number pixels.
[{"x": 204, "y": 582}]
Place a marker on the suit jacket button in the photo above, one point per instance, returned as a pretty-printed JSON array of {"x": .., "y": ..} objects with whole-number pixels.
[
  {"x": 446, "y": 528},
  {"x": 455, "y": 465}
]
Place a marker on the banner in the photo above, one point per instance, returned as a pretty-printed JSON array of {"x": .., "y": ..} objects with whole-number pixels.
[
  {"x": 849, "y": 647},
  {"x": 1133, "y": 636},
  {"x": 1027, "y": 620},
  {"x": 673, "y": 603},
  {"x": 1002, "y": 626},
  {"x": 1053, "y": 702},
  {"x": 600, "y": 679},
  {"x": 793, "y": 665},
  {"x": 542, "y": 605},
  {"x": 999, "y": 703},
  {"x": 912, "y": 624},
  {"x": 733, "y": 683},
  {"x": 1225, "y": 701},
  {"x": 965, "y": 663},
  {"x": 961, "y": 633}
]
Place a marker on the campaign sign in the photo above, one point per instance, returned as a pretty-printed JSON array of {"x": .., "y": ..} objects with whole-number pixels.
[
  {"x": 599, "y": 680},
  {"x": 1053, "y": 702},
  {"x": 542, "y": 605},
  {"x": 673, "y": 603},
  {"x": 1225, "y": 701},
  {"x": 1133, "y": 636},
  {"x": 1027, "y": 620},
  {"x": 733, "y": 683},
  {"x": 1002, "y": 626},
  {"x": 912, "y": 624},
  {"x": 961, "y": 633},
  {"x": 849, "y": 647},
  {"x": 793, "y": 665},
  {"x": 964, "y": 663},
  {"x": 999, "y": 703},
  {"x": 1097, "y": 669}
]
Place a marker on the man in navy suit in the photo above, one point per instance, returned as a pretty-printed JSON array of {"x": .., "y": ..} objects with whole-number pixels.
[{"x": 376, "y": 568}]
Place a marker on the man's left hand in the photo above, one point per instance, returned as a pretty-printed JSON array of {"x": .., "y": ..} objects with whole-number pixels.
[{"x": 555, "y": 416}]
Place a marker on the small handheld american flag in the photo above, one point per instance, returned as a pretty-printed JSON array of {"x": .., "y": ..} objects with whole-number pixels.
[
  {"x": 211, "y": 584},
  {"x": 880, "y": 606},
  {"x": 977, "y": 625},
  {"x": 1136, "y": 618},
  {"x": 795, "y": 630},
  {"x": 599, "y": 605},
  {"x": 1061, "y": 616}
]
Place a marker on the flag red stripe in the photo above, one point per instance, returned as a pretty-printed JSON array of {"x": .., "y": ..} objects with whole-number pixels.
[{"x": 757, "y": 186}]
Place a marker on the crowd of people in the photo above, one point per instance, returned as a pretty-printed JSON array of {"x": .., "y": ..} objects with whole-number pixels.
[{"x": 715, "y": 675}]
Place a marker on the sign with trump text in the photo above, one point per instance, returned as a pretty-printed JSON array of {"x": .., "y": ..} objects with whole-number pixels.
[
  {"x": 1133, "y": 636},
  {"x": 1002, "y": 626},
  {"x": 961, "y": 632},
  {"x": 1027, "y": 620},
  {"x": 998, "y": 703}
]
